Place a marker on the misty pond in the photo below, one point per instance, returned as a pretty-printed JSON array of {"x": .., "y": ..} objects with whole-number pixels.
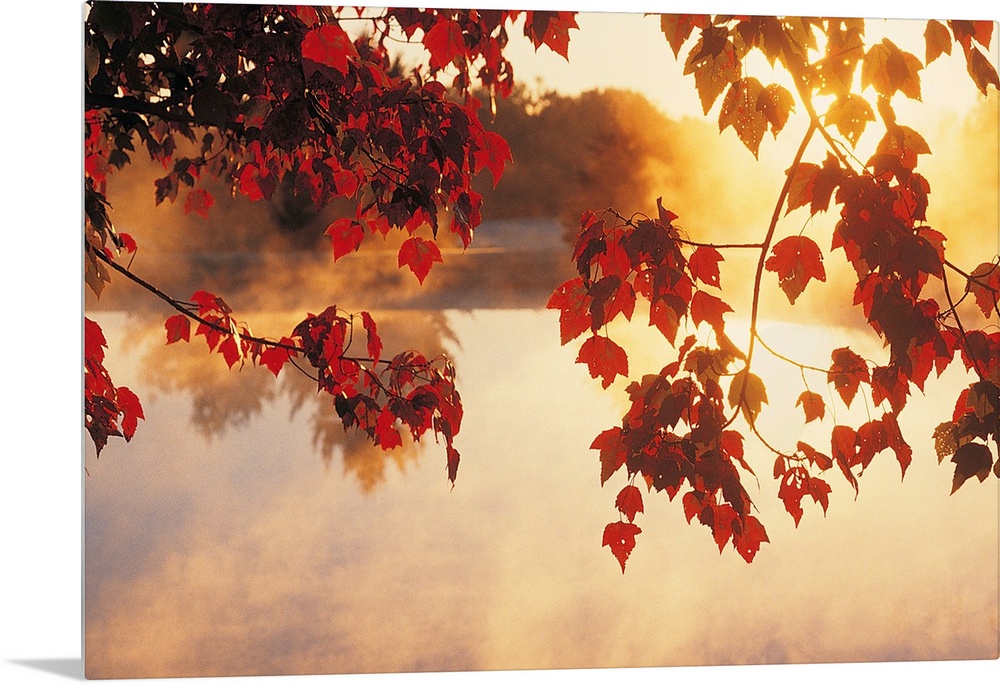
[{"x": 243, "y": 532}]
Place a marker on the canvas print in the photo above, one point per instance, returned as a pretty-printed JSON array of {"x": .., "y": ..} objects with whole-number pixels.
[{"x": 479, "y": 339}]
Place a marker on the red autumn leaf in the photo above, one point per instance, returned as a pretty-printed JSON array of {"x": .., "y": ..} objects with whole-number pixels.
[
  {"x": 984, "y": 284},
  {"x": 846, "y": 373},
  {"x": 230, "y": 350},
  {"x": 492, "y": 153},
  {"x": 740, "y": 110},
  {"x": 843, "y": 439},
  {"x": 131, "y": 410},
  {"x": 620, "y": 537},
  {"x": 814, "y": 185},
  {"x": 276, "y": 357},
  {"x": 346, "y": 235},
  {"x": 445, "y": 42},
  {"x": 248, "y": 183},
  {"x": 629, "y": 501},
  {"x": 126, "y": 242},
  {"x": 386, "y": 434},
  {"x": 704, "y": 265},
  {"x": 812, "y": 405},
  {"x": 612, "y": 450},
  {"x": 870, "y": 440},
  {"x": 604, "y": 359},
  {"x": 573, "y": 302},
  {"x": 419, "y": 255},
  {"x": 199, "y": 201},
  {"x": 796, "y": 259},
  {"x": 550, "y": 29},
  {"x": 178, "y": 328},
  {"x": 791, "y": 490},
  {"x": 750, "y": 538},
  {"x": 374, "y": 341},
  {"x": 723, "y": 528},
  {"x": 706, "y": 308},
  {"x": 819, "y": 490},
  {"x": 894, "y": 438},
  {"x": 330, "y": 46},
  {"x": 94, "y": 342},
  {"x": 665, "y": 319}
]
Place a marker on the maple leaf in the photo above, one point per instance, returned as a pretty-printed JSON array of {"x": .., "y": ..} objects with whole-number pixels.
[
  {"x": 814, "y": 185},
  {"x": 492, "y": 153},
  {"x": 889, "y": 70},
  {"x": 629, "y": 501},
  {"x": 894, "y": 438},
  {"x": 740, "y": 110},
  {"x": 983, "y": 73},
  {"x": 937, "y": 39},
  {"x": 612, "y": 450},
  {"x": 748, "y": 392},
  {"x": 131, "y": 410},
  {"x": 604, "y": 359},
  {"x": 850, "y": 114},
  {"x": 551, "y": 29},
  {"x": 846, "y": 373},
  {"x": 94, "y": 342},
  {"x": 704, "y": 265},
  {"x": 791, "y": 490},
  {"x": 330, "y": 46},
  {"x": 178, "y": 328},
  {"x": 775, "y": 103},
  {"x": 971, "y": 460},
  {"x": 419, "y": 255},
  {"x": 796, "y": 259},
  {"x": 714, "y": 63},
  {"x": 677, "y": 28},
  {"x": 276, "y": 357},
  {"x": 386, "y": 434},
  {"x": 346, "y": 235},
  {"x": 748, "y": 541},
  {"x": 843, "y": 440},
  {"x": 706, "y": 308},
  {"x": 198, "y": 201},
  {"x": 230, "y": 350},
  {"x": 984, "y": 285},
  {"x": 445, "y": 42},
  {"x": 812, "y": 405},
  {"x": 620, "y": 537},
  {"x": 572, "y": 300}
]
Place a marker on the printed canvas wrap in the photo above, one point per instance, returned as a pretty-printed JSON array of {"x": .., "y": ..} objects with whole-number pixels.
[{"x": 461, "y": 340}]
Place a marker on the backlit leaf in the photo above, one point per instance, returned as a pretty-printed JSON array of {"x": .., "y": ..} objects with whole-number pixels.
[
  {"x": 604, "y": 359},
  {"x": 620, "y": 537},
  {"x": 706, "y": 308},
  {"x": 812, "y": 405},
  {"x": 178, "y": 328},
  {"x": 629, "y": 501},
  {"x": 937, "y": 39},
  {"x": 704, "y": 265},
  {"x": 850, "y": 114},
  {"x": 346, "y": 235},
  {"x": 330, "y": 46},
  {"x": 739, "y": 110},
  {"x": 419, "y": 255},
  {"x": 796, "y": 259}
]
